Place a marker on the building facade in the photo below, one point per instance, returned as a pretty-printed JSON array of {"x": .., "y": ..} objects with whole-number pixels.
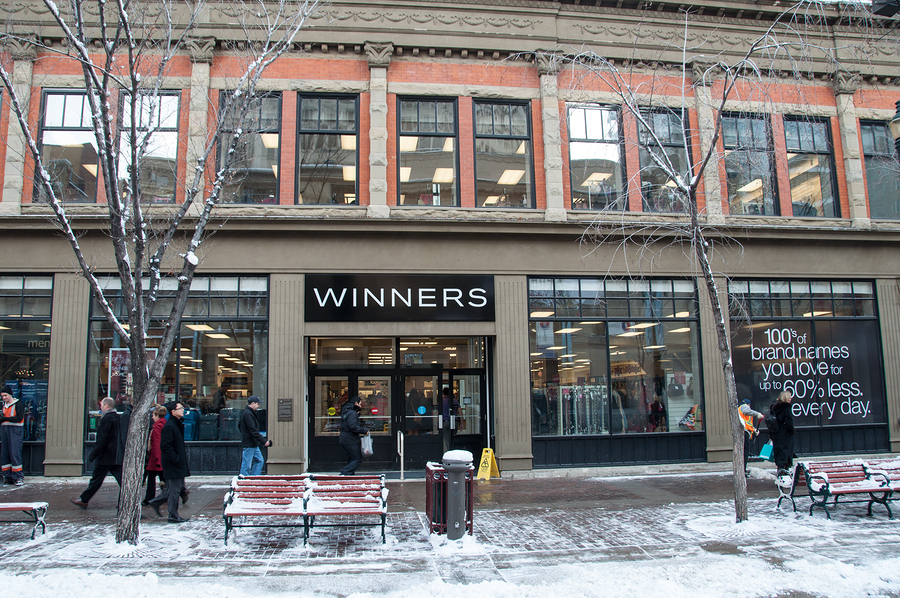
[{"x": 430, "y": 199}]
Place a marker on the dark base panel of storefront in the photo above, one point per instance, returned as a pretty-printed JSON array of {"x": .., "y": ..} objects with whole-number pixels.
[
  {"x": 204, "y": 458},
  {"x": 33, "y": 458},
  {"x": 581, "y": 451},
  {"x": 849, "y": 440}
]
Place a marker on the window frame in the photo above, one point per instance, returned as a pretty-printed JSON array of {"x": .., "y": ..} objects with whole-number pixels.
[
  {"x": 227, "y": 130},
  {"x": 890, "y": 155},
  {"x": 529, "y": 167},
  {"x": 685, "y": 146},
  {"x": 769, "y": 149},
  {"x": 160, "y": 129},
  {"x": 454, "y": 102},
  {"x": 37, "y": 195},
  {"x": 622, "y": 193},
  {"x": 835, "y": 193},
  {"x": 319, "y": 131}
]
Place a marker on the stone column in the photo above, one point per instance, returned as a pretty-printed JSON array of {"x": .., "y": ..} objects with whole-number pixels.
[
  {"x": 287, "y": 381},
  {"x": 23, "y": 55},
  {"x": 201, "y": 52},
  {"x": 888, "y": 290},
  {"x": 703, "y": 75},
  {"x": 548, "y": 68},
  {"x": 379, "y": 57},
  {"x": 512, "y": 401},
  {"x": 845, "y": 85},
  {"x": 65, "y": 387},
  {"x": 716, "y": 419}
]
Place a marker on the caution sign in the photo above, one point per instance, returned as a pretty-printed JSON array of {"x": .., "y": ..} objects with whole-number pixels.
[{"x": 488, "y": 466}]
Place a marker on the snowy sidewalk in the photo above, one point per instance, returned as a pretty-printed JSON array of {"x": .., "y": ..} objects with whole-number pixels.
[{"x": 590, "y": 537}]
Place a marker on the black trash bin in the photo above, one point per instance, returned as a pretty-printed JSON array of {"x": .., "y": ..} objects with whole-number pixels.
[{"x": 436, "y": 498}]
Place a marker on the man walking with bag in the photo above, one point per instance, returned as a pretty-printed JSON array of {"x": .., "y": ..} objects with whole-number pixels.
[
  {"x": 251, "y": 440},
  {"x": 351, "y": 429},
  {"x": 105, "y": 452}
]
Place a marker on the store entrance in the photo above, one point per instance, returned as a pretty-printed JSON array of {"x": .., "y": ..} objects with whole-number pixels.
[{"x": 415, "y": 405}]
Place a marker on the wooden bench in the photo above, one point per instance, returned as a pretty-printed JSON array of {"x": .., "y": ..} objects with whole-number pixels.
[
  {"x": 296, "y": 501},
  {"x": 840, "y": 479},
  {"x": 34, "y": 511}
]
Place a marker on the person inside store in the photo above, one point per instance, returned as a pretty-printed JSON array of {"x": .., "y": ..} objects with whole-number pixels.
[
  {"x": 748, "y": 415},
  {"x": 657, "y": 415},
  {"x": 351, "y": 430},
  {"x": 174, "y": 464},
  {"x": 783, "y": 434},
  {"x": 104, "y": 454},
  {"x": 450, "y": 409},
  {"x": 220, "y": 399},
  {"x": 153, "y": 469},
  {"x": 251, "y": 440},
  {"x": 12, "y": 435},
  {"x": 415, "y": 424}
]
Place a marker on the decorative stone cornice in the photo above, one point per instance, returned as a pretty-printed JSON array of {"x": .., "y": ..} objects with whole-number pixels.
[
  {"x": 704, "y": 72},
  {"x": 379, "y": 54},
  {"x": 21, "y": 49},
  {"x": 846, "y": 82},
  {"x": 548, "y": 63},
  {"x": 201, "y": 49}
]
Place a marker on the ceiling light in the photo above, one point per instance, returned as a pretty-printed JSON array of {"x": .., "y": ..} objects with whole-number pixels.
[
  {"x": 218, "y": 335},
  {"x": 405, "y": 171},
  {"x": 348, "y": 142},
  {"x": 556, "y": 348},
  {"x": 510, "y": 177},
  {"x": 491, "y": 200},
  {"x": 199, "y": 327},
  {"x": 596, "y": 178},
  {"x": 349, "y": 173},
  {"x": 643, "y": 325},
  {"x": 655, "y": 347},
  {"x": 681, "y": 330},
  {"x": 269, "y": 140},
  {"x": 637, "y": 333},
  {"x": 521, "y": 148},
  {"x": 409, "y": 144},
  {"x": 343, "y": 348},
  {"x": 541, "y": 314},
  {"x": 448, "y": 145},
  {"x": 442, "y": 175},
  {"x": 567, "y": 330},
  {"x": 234, "y": 348}
]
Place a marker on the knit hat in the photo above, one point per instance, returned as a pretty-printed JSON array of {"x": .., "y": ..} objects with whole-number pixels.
[
  {"x": 6, "y": 390},
  {"x": 252, "y": 399}
]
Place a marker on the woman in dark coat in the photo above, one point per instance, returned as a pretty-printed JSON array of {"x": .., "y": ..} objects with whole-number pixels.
[
  {"x": 783, "y": 436},
  {"x": 351, "y": 429}
]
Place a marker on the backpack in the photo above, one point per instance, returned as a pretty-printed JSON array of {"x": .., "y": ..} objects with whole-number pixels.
[{"x": 771, "y": 424}]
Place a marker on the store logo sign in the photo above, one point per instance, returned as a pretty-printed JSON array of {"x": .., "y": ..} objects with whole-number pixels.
[{"x": 399, "y": 298}]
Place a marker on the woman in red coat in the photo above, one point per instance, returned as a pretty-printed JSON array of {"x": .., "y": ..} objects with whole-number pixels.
[{"x": 154, "y": 456}]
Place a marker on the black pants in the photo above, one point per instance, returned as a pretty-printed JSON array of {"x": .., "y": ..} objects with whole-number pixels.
[
  {"x": 151, "y": 484},
  {"x": 171, "y": 494},
  {"x": 354, "y": 456},
  {"x": 97, "y": 478}
]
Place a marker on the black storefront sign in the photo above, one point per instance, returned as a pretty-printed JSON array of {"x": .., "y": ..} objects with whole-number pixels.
[
  {"x": 399, "y": 298},
  {"x": 26, "y": 344}
]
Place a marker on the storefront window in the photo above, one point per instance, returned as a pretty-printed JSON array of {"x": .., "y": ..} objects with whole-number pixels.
[
  {"x": 25, "y": 346},
  {"x": 614, "y": 357},
  {"x": 818, "y": 340},
  {"x": 215, "y": 363}
]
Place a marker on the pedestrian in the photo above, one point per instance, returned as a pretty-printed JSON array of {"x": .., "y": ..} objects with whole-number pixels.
[
  {"x": 12, "y": 433},
  {"x": 750, "y": 430},
  {"x": 124, "y": 422},
  {"x": 351, "y": 429},
  {"x": 174, "y": 464},
  {"x": 105, "y": 452},
  {"x": 783, "y": 436},
  {"x": 251, "y": 439},
  {"x": 153, "y": 469}
]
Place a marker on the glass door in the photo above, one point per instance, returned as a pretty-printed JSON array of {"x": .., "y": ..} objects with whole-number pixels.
[
  {"x": 468, "y": 411},
  {"x": 418, "y": 401}
]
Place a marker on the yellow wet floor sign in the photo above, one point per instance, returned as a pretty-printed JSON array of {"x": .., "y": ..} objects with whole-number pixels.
[{"x": 488, "y": 466}]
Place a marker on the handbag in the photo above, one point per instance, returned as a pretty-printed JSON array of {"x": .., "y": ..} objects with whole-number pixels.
[
  {"x": 367, "y": 445},
  {"x": 766, "y": 453}
]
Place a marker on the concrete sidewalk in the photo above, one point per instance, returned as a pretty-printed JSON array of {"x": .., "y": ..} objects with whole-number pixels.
[{"x": 522, "y": 526}]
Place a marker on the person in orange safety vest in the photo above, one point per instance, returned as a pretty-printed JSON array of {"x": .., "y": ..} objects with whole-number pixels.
[
  {"x": 750, "y": 431},
  {"x": 12, "y": 430}
]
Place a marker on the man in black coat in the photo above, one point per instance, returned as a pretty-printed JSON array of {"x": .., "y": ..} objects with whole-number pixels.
[
  {"x": 174, "y": 464},
  {"x": 251, "y": 440},
  {"x": 351, "y": 429},
  {"x": 105, "y": 453}
]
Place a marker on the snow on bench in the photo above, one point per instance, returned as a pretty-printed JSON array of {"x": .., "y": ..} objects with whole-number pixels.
[
  {"x": 35, "y": 511},
  {"x": 827, "y": 479},
  {"x": 296, "y": 501}
]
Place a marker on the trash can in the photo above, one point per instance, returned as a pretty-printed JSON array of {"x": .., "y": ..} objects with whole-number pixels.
[{"x": 436, "y": 498}]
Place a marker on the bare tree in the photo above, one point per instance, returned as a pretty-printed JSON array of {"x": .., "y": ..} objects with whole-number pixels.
[
  {"x": 684, "y": 162},
  {"x": 125, "y": 50}
]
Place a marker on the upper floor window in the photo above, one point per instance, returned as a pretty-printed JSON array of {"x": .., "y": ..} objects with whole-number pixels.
[
  {"x": 326, "y": 150},
  {"x": 810, "y": 163},
  {"x": 69, "y": 147},
  {"x": 253, "y": 178},
  {"x": 882, "y": 170},
  {"x": 665, "y": 141},
  {"x": 427, "y": 163},
  {"x": 503, "y": 155},
  {"x": 749, "y": 165},
  {"x": 595, "y": 157},
  {"x": 156, "y": 127}
]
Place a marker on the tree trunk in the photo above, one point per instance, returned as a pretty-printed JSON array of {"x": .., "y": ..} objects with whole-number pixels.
[
  {"x": 737, "y": 427},
  {"x": 128, "y": 521}
]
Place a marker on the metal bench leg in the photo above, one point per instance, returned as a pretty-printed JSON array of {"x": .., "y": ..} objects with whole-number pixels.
[
  {"x": 39, "y": 515},
  {"x": 383, "y": 518},
  {"x": 227, "y": 527}
]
